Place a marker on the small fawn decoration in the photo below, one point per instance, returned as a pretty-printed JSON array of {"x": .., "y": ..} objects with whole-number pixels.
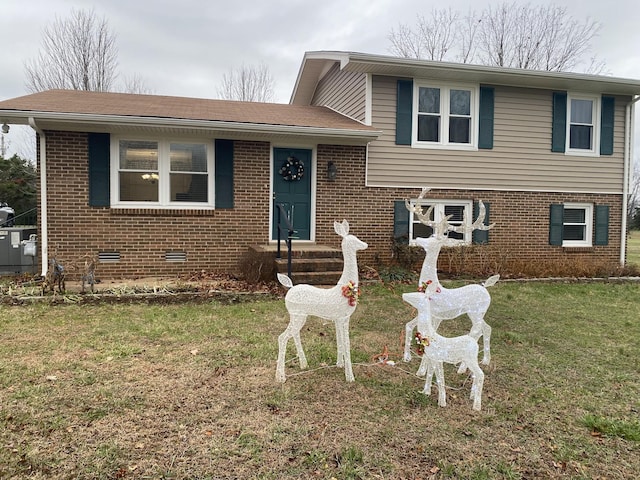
[
  {"x": 473, "y": 300},
  {"x": 88, "y": 272},
  {"x": 336, "y": 304},
  {"x": 54, "y": 277},
  {"x": 437, "y": 349}
]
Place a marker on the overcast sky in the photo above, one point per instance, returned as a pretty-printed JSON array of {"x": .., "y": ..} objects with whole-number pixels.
[{"x": 184, "y": 47}]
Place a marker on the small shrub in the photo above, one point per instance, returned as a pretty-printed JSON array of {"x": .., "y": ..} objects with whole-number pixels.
[
  {"x": 397, "y": 274},
  {"x": 405, "y": 255},
  {"x": 257, "y": 267}
]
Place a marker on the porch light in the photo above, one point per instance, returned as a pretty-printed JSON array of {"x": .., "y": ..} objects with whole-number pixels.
[
  {"x": 332, "y": 171},
  {"x": 5, "y": 128}
]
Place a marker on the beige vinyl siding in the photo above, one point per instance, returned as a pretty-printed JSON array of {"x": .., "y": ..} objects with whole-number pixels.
[
  {"x": 521, "y": 158},
  {"x": 344, "y": 92}
]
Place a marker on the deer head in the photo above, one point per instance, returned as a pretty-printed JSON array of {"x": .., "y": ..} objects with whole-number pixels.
[
  {"x": 352, "y": 241},
  {"x": 442, "y": 227}
]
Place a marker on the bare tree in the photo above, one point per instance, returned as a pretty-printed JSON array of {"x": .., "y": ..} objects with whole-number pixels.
[
  {"x": 136, "y": 84},
  {"x": 432, "y": 39},
  {"x": 633, "y": 199},
  {"x": 78, "y": 53},
  {"x": 493, "y": 36},
  {"x": 249, "y": 83},
  {"x": 405, "y": 42},
  {"x": 467, "y": 29},
  {"x": 509, "y": 35}
]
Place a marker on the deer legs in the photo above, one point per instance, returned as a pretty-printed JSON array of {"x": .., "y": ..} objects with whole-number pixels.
[
  {"x": 344, "y": 348},
  {"x": 437, "y": 368},
  {"x": 296, "y": 323},
  {"x": 411, "y": 324}
]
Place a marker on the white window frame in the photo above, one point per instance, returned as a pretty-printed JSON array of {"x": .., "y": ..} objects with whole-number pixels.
[
  {"x": 164, "y": 193},
  {"x": 595, "y": 112},
  {"x": 438, "y": 214},
  {"x": 445, "y": 116},
  {"x": 588, "y": 224}
]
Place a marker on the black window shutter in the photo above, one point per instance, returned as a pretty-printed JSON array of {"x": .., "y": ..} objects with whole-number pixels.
[
  {"x": 485, "y": 126},
  {"x": 481, "y": 236},
  {"x": 556, "y": 224},
  {"x": 400, "y": 222},
  {"x": 608, "y": 107},
  {"x": 559, "y": 122},
  {"x": 602, "y": 225},
  {"x": 224, "y": 173},
  {"x": 404, "y": 112},
  {"x": 99, "y": 175}
]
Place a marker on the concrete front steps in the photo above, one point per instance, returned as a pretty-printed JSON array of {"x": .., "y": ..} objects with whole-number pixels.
[{"x": 310, "y": 263}]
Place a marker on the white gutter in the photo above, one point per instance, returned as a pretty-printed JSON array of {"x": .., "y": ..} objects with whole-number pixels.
[
  {"x": 396, "y": 66},
  {"x": 628, "y": 172},
  {"x": 44, "y": 234},
  {"x": 221, "y": 125}
]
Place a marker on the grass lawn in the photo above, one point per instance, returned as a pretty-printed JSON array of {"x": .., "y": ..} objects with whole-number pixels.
[
  {"x": 633, "y": 248},
  {"x": 139, "y": 391}
]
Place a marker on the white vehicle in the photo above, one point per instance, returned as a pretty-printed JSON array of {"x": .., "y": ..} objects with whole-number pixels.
[{"x": 7, "y": 215}]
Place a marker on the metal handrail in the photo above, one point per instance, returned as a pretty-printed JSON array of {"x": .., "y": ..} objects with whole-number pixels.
[
  {"x": 289, "y": 229},
  {"x": 12, "y": 221}
]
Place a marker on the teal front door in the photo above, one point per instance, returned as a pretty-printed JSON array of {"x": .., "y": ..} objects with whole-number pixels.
[{"x": 292, "y": 189}]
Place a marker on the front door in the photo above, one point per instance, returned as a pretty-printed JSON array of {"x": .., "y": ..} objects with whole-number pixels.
[{"x": 292, "y": 189}]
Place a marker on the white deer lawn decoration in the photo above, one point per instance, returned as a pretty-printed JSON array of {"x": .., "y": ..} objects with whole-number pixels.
[
  {"x": 438, "y": 349},
  {"x": 335, "y": 304},
  {"x": 474, "y": 300}
]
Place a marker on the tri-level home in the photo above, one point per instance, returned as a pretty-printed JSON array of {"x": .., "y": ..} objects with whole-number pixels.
[{"x": 156, "y": 185}]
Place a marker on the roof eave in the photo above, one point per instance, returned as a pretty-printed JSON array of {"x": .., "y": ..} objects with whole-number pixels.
[
  {"x": 106, "y": 121},
  {"x": 405, "y": 67},
  {"x": 304, "y": 87}
]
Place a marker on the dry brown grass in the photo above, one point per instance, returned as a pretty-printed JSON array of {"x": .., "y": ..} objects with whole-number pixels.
[{"x": 188, "y": 391}]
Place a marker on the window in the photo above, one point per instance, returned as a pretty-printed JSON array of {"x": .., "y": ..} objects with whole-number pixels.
[
  {"x": 445, "y": 116},
  {"x": 583, "y": 125},
  {"x": 162, "y": 173},
  {"x": 571, "y": 224},
  {"x": 442, "y": 208},
  {"x": 577, "y": 222}
]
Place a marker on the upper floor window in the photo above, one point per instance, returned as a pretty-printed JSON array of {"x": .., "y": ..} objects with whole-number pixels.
[
  {"x": 446, "y": 116},
  {"x": 163, "y": 173},
  {"x": 583, "y": 124}
]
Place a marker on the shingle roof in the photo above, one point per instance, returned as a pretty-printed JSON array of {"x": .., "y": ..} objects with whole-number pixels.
[{"x": 164, "y": 107}]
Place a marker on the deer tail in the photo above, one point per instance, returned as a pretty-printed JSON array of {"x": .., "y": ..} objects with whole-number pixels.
[
  {"x": 492, "y": 280},
  {"x": 285, "y": 280}
]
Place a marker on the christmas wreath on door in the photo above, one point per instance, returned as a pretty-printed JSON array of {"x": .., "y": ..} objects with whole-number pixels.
[{"x": 292, "y": 169}]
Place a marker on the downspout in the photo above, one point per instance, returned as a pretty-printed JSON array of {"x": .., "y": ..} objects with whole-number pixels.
[
  {"x": 44, "y": 235},
  {"x": 628, "y": 172}
]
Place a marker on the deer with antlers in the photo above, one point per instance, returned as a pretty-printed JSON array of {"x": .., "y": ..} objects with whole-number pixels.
[
  {"x": 473, "y": 300},
  {"x": 336, "y": 304}
]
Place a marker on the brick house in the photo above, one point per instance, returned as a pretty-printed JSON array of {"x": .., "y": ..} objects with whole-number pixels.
[{"x": 160, "y": 185}]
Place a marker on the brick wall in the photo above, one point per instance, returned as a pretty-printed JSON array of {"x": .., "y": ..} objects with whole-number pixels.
[
  {"x": 212, "y": 240},
  {"x": 216, "y": 240},
  {"x": 521, "y": 232}
]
